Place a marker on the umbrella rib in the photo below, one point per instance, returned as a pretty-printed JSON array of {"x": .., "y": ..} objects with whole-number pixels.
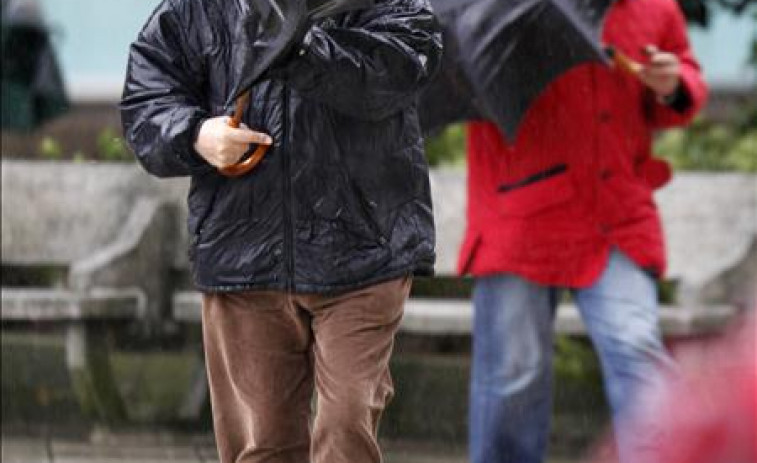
[{"x": 277, "y": 9}]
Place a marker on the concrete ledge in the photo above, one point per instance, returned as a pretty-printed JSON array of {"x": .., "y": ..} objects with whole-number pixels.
[
  {"x": 450, "y": 316},
  {"x": 454, "y": 316},
  {"x": 187, "y": 306},
  {"x": 58, "y": 305}
]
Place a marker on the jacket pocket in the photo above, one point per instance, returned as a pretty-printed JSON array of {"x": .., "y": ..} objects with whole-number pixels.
[
  {"x": 535, "y": 193},
  {"x": 383, "y": 185},
  {"x": 201, "y": 200}
]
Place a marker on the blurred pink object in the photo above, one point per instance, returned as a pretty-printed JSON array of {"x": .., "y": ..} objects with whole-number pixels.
[{"x": 707, "y": 413}]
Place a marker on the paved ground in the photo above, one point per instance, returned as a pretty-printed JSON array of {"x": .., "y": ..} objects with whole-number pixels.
[{"x": 168, "y": 448}]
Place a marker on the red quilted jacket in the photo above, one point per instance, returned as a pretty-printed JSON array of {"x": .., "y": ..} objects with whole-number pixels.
[{"x": 578, "y": 179}]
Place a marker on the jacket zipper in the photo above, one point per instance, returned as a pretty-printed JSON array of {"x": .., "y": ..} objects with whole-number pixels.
[{"x": 288, "y": 227}]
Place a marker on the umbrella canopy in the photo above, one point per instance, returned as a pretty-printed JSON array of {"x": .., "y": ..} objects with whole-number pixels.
[
  {"x": 509, "y": 51},
  {"x": 267, "y": 31},
  {"x": 271, "y": 28},
  {"x": 449, "y": 97}
]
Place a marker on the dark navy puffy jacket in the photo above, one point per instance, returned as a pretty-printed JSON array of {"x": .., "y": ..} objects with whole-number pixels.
[{"x": 342, "y": 198}]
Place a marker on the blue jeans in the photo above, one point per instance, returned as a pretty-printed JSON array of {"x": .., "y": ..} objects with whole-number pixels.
[{"x": 511, "y": 379}]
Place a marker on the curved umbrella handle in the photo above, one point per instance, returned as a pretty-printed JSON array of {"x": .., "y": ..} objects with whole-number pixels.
[
  {"x": 241, "y": 168},
  {"x": 245, "y": 166}
]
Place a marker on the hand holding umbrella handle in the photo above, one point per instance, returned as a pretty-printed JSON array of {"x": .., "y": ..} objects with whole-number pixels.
[{"x": 245, "y": 166}]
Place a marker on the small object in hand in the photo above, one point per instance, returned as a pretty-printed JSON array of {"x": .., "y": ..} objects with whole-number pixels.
[
  {"x": 623, "y": 62},
  {"x": 246, "y": 165}
]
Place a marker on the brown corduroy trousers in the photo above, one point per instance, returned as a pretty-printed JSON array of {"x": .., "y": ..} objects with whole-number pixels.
[{"x": 266, "y": 352}]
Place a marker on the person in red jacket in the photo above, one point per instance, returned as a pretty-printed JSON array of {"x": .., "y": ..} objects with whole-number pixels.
[{"x": 568, "y": 205}]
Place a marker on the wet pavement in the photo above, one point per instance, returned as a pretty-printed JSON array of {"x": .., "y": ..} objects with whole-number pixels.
[{"x": 170, "y": 448}]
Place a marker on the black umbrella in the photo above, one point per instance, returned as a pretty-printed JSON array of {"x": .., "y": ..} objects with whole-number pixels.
[
  {"x": 449, "y": 97},
  {"x": 270, "y": 29},
  {"x": 508, "y": 53},
  {"x": 266, "y": 35}
]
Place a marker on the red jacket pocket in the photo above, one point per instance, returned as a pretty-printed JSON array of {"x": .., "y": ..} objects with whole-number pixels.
[{"x": 536, "y": 193}]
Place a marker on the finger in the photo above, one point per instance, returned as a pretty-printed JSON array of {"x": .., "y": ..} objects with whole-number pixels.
[
  {"x": 650, "y": 78},
  {"x": 663, "y": 59},
  {"x": 662, "y": 72},
  {"x": 231, "y": 156},
  {"x": 249, "y": 136}
]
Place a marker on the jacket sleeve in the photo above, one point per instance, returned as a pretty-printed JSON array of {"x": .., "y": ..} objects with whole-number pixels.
[
  {"x": 372, "y": 63},
  {"x": 692, "y": 82},
  {"x": 161, "y": 104}
]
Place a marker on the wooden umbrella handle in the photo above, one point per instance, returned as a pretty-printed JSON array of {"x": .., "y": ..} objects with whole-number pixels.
[
  {"x": 246, "y": 165},
  {"x": 624, "y": 63}
]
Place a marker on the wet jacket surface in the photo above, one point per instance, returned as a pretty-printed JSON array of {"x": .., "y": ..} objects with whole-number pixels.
[
  {"x": 341, "y": 200},
  {"x": 579, "y": 178}
]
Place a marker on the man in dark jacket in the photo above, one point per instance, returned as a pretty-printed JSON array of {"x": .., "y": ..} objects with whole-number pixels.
[{"x": 305, "y": 262}]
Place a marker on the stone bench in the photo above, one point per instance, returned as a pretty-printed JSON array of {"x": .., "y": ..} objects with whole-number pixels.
[
  {"x": 121, "y": 235},
  {"x": 711, "y": 221},
  {"x": 711, "y": 225},
  {"x": 99, "y": 227}
]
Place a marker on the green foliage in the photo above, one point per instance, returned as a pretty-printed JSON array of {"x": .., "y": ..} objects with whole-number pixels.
[
  {"x": 575, "y": 359},
  {"x": 578, "y": 390},
  {"x": 111, "y": 147},
  {"x": 50, "y": 148},
  {"x": 667, "y": 291},
  {"x": 447, "y": 147},
  {"x": 710, "y": 146}
]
